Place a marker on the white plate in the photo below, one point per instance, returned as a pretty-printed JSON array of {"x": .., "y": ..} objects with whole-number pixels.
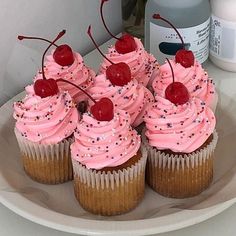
[{"x": 56, "y": 206}]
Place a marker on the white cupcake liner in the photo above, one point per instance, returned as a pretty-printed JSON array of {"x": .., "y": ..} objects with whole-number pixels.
[
  {"x": 106, "y": 180},
  {"x": 112, "y": 192},
  {"x": 177, "y": 162},
  {"x": 46, "y": 151},
  {"x": 46, "y": 163},
  {"x": 180, "y": 176}
]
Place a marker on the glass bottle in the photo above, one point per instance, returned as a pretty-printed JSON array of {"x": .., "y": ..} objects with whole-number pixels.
[{"x": 191, "y": 18}]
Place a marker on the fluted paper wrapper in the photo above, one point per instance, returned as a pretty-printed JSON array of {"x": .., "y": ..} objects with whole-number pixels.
[
  {"x": 110, "y": 193},
  {"x": 180, "y": 176},
  {"x": 48, "y": 164}
]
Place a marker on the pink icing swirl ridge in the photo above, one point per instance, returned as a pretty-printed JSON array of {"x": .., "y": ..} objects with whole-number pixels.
[
  {"x": 132, "y": 97},
  {"x": 76, "y": 73},
  {"x": 142, "y": 64},
  {"x": 46, "y": 120},
  {"x": 182, "y": 128},
  {"x": 194, "y": 78},
  {"x": 100, "y": 144}
]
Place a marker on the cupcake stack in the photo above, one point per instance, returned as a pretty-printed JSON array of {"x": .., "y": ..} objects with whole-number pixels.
[{"x": 99, "y": 147}]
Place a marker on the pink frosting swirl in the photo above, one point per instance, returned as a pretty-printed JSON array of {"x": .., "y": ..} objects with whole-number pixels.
[
  {"x": 142, "y": 64},
  {"x": 132, "y": 97},
  {"x": 46, "y": 120},
  {"x": 194, "y": 78},
  {"x": 100, "y": 144},
  {"x": 182, "y": 128},
  {"x": 76, "y": 73}
]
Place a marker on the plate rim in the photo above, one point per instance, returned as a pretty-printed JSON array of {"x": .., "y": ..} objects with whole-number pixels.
[{"x": 36, "y": 213}]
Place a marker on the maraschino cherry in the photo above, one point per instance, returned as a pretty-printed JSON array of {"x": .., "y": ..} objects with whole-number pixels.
[
  {"x": 176, "y": 92},
  {"x": 183, "y": 56},
  {"x": 125, "y": 43},
  {"x": 45, "y": 88},
  {"x": 103, "y": 110},
  {"x": 63, "y": 55},
  {"x": 119, "y": 74}
]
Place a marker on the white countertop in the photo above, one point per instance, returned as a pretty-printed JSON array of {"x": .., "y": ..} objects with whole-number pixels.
[{"x": 222, "y": 224}]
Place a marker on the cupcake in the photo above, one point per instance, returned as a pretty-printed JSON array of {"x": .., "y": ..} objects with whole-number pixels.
[
  {"x": 108, "y": 162},
  {"x": 132, "y": 97},
  {"x": 130, "y": 50},
  {"x": 44, "y": 128},
  {"x": 195, "y": 78},
  {"x": 180, "y": 140},
  {"x": 45, "y": 121},
  {"x": 118, "y": 85}
]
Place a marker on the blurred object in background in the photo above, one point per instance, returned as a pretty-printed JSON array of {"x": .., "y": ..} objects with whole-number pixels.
[{"x": 133, "y": 17}]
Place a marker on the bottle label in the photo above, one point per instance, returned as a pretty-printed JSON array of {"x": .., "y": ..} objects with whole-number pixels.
[
  {"x": 222, "y": 39},
  {"x": 165, "y": 41}
]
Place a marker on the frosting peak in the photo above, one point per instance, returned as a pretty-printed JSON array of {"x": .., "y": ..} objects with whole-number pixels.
[
  {"x": 143, "y": 66},
  {"x": 132, "y": 97},
  {"x": 183, "y": 128},
  {"x": 76, "y": 73},
  {"x": 46, "y": 120},
  {"x": 194, "y": 78}
]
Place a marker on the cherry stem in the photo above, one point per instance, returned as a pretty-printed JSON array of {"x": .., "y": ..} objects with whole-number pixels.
[
  {"x": 22, "y": 37},
  {"x": 172, "y": 71},
  {"x": 103, "y": 21},
  {"x": 58, "y": 37},
  {"x": 158, "y": 17},
  {"x": 68, "y": 82},
  {"x": 91, "y": 37}
]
